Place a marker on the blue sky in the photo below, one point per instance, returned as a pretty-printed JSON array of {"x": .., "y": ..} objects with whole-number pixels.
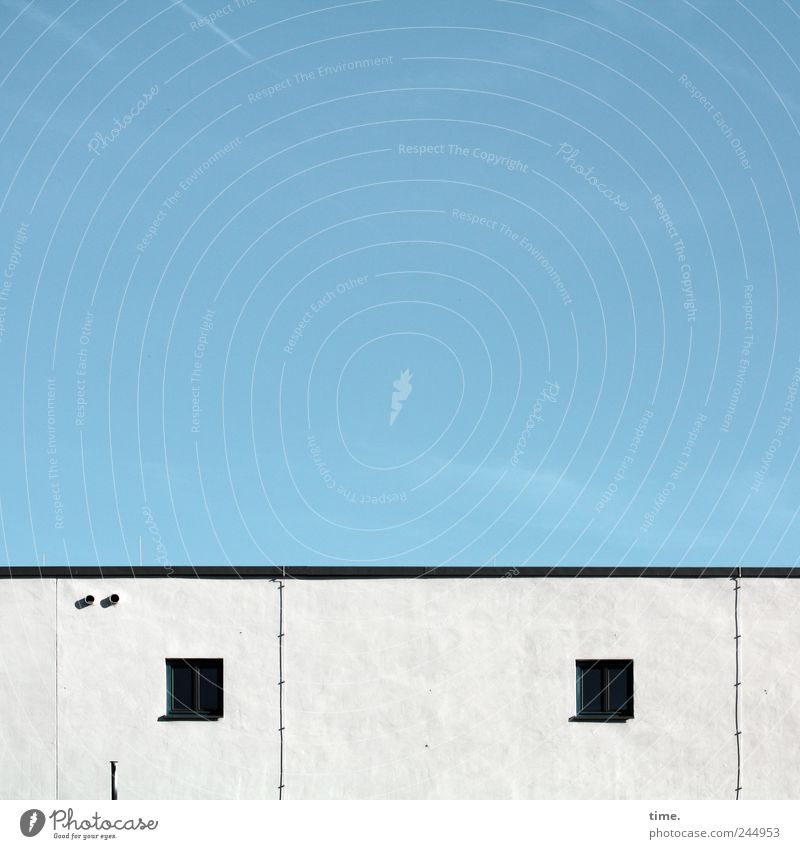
[{"x": 399, "y": 282}]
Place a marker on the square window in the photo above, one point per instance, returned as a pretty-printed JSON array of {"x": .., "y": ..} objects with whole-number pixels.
[
  {"x": 604, "y": 689},
  {"x": 194, "y": 688}
]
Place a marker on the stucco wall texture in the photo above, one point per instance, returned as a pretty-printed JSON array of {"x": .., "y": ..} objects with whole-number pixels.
[{"x": 398, "y": 688}]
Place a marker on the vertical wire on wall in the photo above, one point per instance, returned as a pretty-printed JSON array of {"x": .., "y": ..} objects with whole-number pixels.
[
  {"x": 56, "y": 684},
  {"x": 738, "y": 684},
  {"x": 280, "y": 678}
]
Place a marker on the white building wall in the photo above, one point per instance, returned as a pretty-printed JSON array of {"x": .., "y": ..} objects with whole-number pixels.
[
  {"x": 112, "y": 689},
  {"x": 27, "y": 689},
  {"x": 464, "y": 688},
  {"x": 399, "y": 688},
  {"x": 770, "y": 629}
]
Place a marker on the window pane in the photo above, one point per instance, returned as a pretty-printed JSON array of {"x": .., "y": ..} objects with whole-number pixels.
[
  {"x": 591, "y": 689},
  {"x": 182, "y": 688},
  {"x": 618, "y": 694},
  {"x": 210, "y": 689}
]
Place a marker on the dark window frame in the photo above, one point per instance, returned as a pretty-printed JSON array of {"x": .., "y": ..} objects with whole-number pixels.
[
  {"x": 606, "y": 713},
  {"x": 195, "y": 664}
]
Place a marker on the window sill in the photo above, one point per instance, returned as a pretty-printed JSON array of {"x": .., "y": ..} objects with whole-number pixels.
[
  {"x": 188, "y": 718},
  {"x": 585, "y": 718}
]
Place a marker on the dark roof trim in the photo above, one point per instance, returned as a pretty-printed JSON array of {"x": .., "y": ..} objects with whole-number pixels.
[{"x": 325, "y": 572}]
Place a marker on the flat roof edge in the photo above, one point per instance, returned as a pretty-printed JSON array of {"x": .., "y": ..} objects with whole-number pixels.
[{"x": 374, "y": 572}]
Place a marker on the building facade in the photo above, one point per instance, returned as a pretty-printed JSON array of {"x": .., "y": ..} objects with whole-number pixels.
[{"x": 404, "y": 683}]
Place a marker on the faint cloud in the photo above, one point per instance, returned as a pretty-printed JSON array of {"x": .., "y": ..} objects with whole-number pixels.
[
  {"x": 35, "y": 14},
  {"x": 217, "y": 30}
]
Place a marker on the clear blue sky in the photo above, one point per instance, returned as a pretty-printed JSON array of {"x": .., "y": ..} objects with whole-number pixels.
[{"x": 399, "y": 282}]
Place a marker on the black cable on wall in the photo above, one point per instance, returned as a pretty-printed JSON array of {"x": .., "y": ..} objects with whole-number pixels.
[
  {"x": 280, "y": 683},
  {"x": 738, "y": 684}
]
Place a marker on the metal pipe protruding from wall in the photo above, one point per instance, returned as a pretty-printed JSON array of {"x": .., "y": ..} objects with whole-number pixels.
[
  {"x": 113, "y": 781},
  {"x": 88, "y": 599},
  {"x": 113, "y": 598}
]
